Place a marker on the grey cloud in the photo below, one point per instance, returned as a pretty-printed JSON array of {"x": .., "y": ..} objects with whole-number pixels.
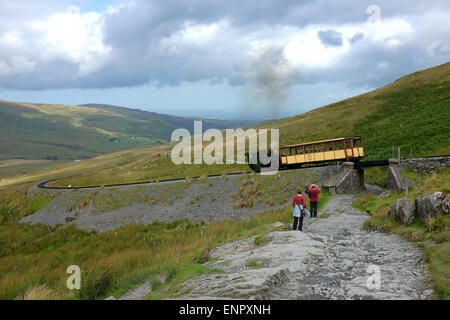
[
  {"x": 373, "y": 66},
  {"x": 143, "y": 49},
  {"x": 330, "y": 38},
  {"x": 358, "y": 36}
]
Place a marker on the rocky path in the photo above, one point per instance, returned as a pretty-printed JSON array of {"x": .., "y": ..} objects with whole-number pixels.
[{"x": 332, "y": 259}]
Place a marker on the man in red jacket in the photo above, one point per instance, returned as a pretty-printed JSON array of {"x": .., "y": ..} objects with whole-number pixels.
[
  {"x": 313, "y": 193},
  {"x": 298, "y": 200}
]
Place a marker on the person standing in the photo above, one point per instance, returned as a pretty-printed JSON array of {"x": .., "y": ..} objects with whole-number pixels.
[
  {"x": 299, "y": 200},
  {"x": 313, "y": 193}
]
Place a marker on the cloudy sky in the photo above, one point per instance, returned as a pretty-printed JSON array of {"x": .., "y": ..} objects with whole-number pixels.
[{"x": 214, "y": 58}]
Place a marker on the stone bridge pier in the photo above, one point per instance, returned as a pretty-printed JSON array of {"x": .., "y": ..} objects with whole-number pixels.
[
  {"x": 394, "y": 180},
  {"x": 350, "y": 180},
  {"x": 351, "y": 177}
]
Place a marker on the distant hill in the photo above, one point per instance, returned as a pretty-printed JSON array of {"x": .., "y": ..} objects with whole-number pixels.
[{"x": 47, "y": 131}]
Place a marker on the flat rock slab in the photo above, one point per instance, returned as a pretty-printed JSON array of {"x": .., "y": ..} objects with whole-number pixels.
[
  {"x": 252, "y": 271},
  {"x": 329, "y": 260},
  {"x": 138, "y": 293}
]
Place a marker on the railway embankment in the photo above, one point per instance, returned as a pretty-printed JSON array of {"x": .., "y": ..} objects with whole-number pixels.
[{"x": 199, "y": 200}]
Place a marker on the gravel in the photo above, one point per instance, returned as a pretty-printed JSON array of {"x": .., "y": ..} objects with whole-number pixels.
[{"x": 206, "y": 201}]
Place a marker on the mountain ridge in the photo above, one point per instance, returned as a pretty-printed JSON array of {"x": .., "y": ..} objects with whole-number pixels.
[{"x": 54, "y": 131}]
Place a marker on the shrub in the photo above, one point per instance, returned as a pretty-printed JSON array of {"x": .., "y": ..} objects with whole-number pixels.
[
  {"x": 95, "y": 284},
  {"x": 6, "y": 214},
  {"x": 436, "y": 224},
  {"x": 38, "y": 292}
]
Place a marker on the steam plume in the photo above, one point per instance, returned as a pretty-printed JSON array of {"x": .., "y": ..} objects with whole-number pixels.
[{"x": 272, "y": 75}]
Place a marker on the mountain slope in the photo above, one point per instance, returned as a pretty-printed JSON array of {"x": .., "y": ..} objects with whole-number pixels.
[
  {"x": 411, "y": 113},
  {"x": 43, "y": 131}
]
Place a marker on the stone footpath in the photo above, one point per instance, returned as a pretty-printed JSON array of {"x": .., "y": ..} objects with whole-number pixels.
[{"x": 329, "y": 260}]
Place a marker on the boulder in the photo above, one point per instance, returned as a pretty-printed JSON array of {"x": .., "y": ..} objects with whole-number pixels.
[
  {"x": 424, "y": 207},
  {"x": 433, "y": 205},
  {"x": 278, "y": 225},
  {"x": 385, "y": 194},
  {"x": 403, "y": 210}
]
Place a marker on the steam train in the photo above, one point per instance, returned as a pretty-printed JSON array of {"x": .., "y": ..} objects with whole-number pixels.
[{"x": 316, "y": 153}]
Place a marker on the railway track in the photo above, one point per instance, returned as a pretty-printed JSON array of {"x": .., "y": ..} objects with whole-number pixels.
[
  {"x": 365, "y": 164},
  {"x": 45, "y": 184}
]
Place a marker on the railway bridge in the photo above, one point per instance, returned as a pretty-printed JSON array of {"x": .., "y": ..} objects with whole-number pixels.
[{"x": 351, "y": 177}]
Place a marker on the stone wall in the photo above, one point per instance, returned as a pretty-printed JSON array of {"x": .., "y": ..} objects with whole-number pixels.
[{"x": 426, "y": 165}]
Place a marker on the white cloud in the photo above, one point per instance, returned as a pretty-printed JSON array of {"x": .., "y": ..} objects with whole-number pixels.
[
  {"x": 75, "y": 38},
  {"x": 169, "y": 44}
]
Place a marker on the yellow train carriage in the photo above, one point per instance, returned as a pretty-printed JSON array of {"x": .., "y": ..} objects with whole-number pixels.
[{"x": 321, "y": 151}]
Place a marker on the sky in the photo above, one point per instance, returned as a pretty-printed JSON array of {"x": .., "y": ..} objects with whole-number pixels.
[{"x": 214, "y": 58}]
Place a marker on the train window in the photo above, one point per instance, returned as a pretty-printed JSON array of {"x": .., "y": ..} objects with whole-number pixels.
[
  {"x": 338, "y": 145},
  {"x": 283, "y": 152},
  {"x": 328, "y": 146},
  {"x": 347, "y": 144},
  {"x": 300, "y": 150},
  {"x": 309, "y": 149},
  {"x": 318, "y": 147},
  {"x": 292, "y": 151},
  {"x": 357, "y": 143}
]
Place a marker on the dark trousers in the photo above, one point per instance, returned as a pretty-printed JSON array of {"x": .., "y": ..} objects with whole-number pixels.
[
  {"x": 298, "y": 221},
  {"x": 313, "y": 206}
]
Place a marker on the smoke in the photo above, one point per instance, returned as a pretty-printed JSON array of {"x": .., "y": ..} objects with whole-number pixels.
[{"x": 272, "y": 75}]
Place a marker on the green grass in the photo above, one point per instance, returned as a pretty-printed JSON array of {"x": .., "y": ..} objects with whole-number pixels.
[
  {"x": 376, "y": 176},
  {"x": 254, "y": 264},
  {"x": 369, "y": 203},
  {"x": 40, "y": 202},
  {"x": 323, "y": 216},
  {"x": 261, "y": 240},
  {"x": 432, "y": 236},
  {"x": 18, "y": 167}
]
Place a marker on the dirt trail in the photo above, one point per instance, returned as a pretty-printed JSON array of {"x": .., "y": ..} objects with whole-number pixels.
[{"x": 329, "y": 260}]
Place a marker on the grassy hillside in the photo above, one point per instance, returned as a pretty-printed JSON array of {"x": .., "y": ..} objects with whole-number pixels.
[
  {"x": 411, "y": 113},
  {"x": 43, "y": 131}
]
